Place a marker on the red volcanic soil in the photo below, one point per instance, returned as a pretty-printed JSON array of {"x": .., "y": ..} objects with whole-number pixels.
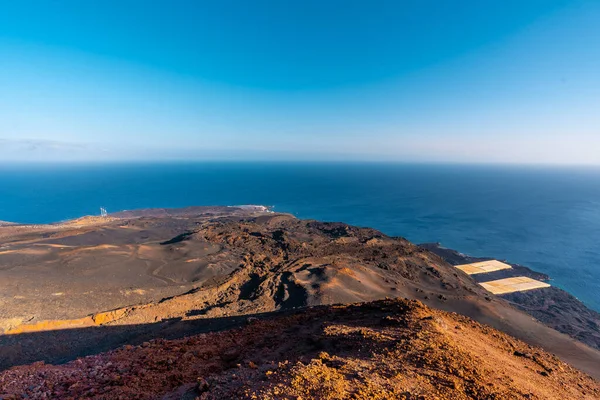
[{"x": 382, "y": 350}]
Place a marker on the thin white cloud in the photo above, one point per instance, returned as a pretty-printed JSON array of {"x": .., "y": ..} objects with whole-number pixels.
[
  {"x": 49, "y": 150},
  {"x": 547, "y": 149}
]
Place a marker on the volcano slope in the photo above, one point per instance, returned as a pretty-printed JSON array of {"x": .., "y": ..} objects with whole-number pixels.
[
  {"x": 552, "y": 306},
  {"x": 217, "y": 267},
  {"x": 389, "y": 349}
]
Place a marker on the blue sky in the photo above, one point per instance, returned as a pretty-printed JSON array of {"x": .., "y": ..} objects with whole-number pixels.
[{"x": 462, "y": 81}]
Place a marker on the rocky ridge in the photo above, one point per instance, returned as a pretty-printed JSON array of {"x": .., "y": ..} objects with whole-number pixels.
[{"x": 386, "y": 349}]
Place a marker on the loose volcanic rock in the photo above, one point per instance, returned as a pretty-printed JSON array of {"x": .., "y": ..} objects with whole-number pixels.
[{"x": 381, "y": 350}]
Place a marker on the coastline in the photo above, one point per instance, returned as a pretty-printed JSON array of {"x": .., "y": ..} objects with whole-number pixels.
[
  {"x": 108, "y": 285},
  {"x": 553, "y": 306},
  {"x": 469, "y": 208}
]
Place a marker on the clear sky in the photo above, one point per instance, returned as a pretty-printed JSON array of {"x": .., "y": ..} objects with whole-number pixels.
[{"x": 461, "y": 81}]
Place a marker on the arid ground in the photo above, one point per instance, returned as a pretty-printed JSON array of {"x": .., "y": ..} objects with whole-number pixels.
[{"x": 157, "y": 278}]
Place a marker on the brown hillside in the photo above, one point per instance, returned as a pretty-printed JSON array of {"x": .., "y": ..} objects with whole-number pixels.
[
  {"x": 180, "y": 273},
  {"x": 382, "y": 350}
]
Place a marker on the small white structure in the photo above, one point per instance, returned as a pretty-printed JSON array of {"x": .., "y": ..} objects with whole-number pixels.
[
  {"x": 103, "y": 212},
  {"x": 483, "y": 267},
  {"x": 510, "y": 285}
]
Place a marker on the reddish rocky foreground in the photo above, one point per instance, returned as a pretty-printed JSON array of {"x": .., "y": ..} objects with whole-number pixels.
[{"x": 380, "y": 350}]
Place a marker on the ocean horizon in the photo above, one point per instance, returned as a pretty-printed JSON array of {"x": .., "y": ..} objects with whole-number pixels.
[{"x": 544, "y": 217}]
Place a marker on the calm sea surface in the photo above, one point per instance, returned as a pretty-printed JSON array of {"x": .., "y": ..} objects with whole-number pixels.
[{"x": 544, "y": 218}]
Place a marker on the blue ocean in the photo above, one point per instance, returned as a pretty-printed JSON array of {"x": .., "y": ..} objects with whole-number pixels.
[{"x": 547, "y": 218}]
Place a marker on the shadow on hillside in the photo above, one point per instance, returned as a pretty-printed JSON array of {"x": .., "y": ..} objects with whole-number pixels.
[{"x": 60, "y": 346}]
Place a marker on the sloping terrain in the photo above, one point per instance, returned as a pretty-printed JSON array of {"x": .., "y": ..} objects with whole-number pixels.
[
  {"x": 552, "y": 306},
  {"x": 145, "y": 276},
  {"x": 391, "y": 349},
  {"x": 76, "y": 268},
  {"x": 226, "y": 265}
]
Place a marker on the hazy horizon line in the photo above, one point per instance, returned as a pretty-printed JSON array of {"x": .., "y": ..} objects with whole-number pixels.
[{"x": 96, "y": 162}]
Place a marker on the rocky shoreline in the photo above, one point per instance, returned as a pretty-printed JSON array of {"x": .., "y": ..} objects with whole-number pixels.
[{"x": 552, "y": 306}]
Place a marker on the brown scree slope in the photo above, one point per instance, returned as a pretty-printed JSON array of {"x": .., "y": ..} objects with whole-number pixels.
[{"x": 390, "y": 349}]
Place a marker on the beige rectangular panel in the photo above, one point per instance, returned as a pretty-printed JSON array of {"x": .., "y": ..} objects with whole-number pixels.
[
  {"x": 483, "y": 267},
  {"x": 510, "y": 285}
]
